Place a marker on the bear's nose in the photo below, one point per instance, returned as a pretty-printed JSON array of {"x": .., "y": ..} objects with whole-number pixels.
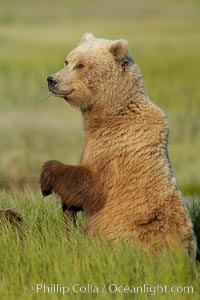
[{"x": 52, "y": 80}]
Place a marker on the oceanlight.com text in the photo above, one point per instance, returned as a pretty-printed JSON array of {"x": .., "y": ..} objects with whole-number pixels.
[{"x": 112, "y": 288}]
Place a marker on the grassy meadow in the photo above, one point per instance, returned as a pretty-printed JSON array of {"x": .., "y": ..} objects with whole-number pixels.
[
  {"x": 40, "y": 253},
  {"x": 35, "y": 37}
]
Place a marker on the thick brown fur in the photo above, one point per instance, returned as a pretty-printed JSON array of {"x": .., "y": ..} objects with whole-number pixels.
[{"x": 124, "y": 183}]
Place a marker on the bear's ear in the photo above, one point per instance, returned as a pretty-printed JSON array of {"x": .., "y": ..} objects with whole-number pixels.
[
  {"x": 87, "y": 37},
  {"x": 119, "y": 49}
]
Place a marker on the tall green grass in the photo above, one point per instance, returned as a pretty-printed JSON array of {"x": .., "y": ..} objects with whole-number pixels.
[{"x": 42, "y": 253}]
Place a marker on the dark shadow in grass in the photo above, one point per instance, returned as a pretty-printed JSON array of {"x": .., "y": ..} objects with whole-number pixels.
[{"x": 194, "y": 210}]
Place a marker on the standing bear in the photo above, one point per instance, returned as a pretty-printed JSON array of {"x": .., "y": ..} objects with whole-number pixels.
[{"x": 125, "y": 183}]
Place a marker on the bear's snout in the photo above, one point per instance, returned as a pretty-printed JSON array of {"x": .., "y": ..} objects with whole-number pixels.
[{"x": 52, "y": 81}]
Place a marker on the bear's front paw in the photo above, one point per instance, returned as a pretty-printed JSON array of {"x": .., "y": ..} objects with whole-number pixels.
[{"x": 47, "y": 177}]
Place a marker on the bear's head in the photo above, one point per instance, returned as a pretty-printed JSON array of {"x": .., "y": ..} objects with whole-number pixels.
[{"x": 97, "y": 73}]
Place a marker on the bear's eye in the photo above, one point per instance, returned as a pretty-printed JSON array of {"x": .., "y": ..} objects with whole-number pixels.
[
  {"x": 79, "y": 66},
  {"x": 65, "y": 63}
]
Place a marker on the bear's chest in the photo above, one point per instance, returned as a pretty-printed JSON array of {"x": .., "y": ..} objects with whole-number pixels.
[{"x": 110, "y": 145}]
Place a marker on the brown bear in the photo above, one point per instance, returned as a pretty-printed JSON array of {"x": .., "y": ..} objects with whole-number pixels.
[
  {"x": 11, "y": 214},
  {"x": 125, "y": 183}
]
